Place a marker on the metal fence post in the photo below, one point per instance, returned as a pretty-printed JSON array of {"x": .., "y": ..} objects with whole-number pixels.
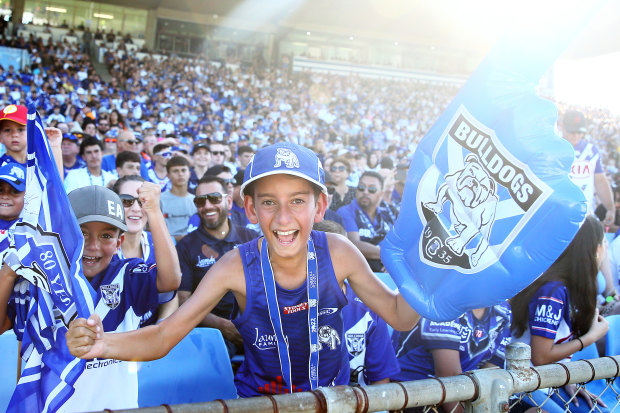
[{"x": 495, "y": 386}]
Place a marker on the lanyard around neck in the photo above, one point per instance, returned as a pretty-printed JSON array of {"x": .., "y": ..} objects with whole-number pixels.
[{"x": 312, "y": 284}]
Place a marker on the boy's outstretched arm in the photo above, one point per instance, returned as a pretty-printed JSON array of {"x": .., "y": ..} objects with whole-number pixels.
[
  {"x": 7, "y": 281},
  {"x": 86, "y": 339},
  {"x": 166, "y": 258},
  {"x": 349, "y": 263}
]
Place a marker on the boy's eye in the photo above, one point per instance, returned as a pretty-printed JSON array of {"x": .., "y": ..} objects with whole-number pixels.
[
  {"x": 268, "y": 202},
  {"x": 298, "y": 201}
]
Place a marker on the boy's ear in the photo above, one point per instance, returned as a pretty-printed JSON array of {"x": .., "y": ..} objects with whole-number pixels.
[
  {"x": 250, "y": 210},
  {"x": 119, "y": 240},
  {"x": 321, "y": 207}
]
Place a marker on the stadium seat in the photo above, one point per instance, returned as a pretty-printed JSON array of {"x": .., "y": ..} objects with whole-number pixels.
[
  {"x": 597, "y": 387},
  {"x": 8, "y": 368},
  {"x": 612, "y": 340},
  {"x": 196, "y": 370}
]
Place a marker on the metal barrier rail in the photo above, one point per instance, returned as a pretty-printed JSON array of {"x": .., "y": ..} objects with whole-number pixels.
[{"x": 487, "y": 390}]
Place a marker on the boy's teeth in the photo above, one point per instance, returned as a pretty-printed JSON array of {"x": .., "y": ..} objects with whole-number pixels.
[{"x": 283, "y": 233}]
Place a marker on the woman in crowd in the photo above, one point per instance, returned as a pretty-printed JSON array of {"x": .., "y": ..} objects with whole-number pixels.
[
  {"x": 557, "y": 315},
  {"x": 138, "y": 243},
  {"x": 340, "y": 170}
]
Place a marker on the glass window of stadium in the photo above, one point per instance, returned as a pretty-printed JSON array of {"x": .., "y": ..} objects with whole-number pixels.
[{"x": 76, "y": 13}]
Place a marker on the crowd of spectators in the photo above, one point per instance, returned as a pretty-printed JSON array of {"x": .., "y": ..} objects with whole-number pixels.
[{"x": 188, "y": 119}]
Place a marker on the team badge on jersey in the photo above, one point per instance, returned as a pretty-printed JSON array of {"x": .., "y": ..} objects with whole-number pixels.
[
  {"x": 111, "y": 294},
  {"x": 356, "y": 343},
  {"x": 474, "y": 211},
  {"x": 328, "y": 336}
]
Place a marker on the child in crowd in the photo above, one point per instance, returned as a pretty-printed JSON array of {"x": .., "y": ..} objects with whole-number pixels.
[
  {"x": 13, "y": 134},
  {"x": 288, "y": 286},
  {"x": 12, "y": 187},
  {"x": 125, "y": 289},
  {"x": 476, "y": 339}
]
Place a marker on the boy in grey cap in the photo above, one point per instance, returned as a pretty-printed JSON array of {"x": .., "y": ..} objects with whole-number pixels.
[{"x": 125, "y": 289}]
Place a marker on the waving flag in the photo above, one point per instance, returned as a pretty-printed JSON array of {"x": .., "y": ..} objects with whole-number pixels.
[
  {"x": 47, "y": 254},
  {"x": 488, "y": 205}
]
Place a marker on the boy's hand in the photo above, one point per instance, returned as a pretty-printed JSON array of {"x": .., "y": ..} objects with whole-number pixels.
[
  {"x": 149, "y": 194},
  {"x": 54, "y": 136},
  {"x": 85, "y": 337}
]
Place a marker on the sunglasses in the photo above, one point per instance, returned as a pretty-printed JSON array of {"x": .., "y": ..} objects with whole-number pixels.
[
  {"x": 129, "y": 200},
  {"x": 221, "y": 153},
  {"x": 110, "y": 140},
  {"x": 229, "y": 181},
  {"x": 131, "y": 141},
  {"x": 371, "y": 189},
  {"x": 331, "y": 190},
  {"x": 166, "y": 154},
  {"x": 215, "y": 198},
  {"x": 340, "y": 168}
]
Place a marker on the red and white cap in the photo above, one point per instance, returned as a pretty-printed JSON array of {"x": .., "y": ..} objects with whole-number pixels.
[{"x": 15, "y": 113}]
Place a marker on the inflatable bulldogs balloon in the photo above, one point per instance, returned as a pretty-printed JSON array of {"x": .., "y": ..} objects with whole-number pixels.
[{"x": 488, "y": 205}]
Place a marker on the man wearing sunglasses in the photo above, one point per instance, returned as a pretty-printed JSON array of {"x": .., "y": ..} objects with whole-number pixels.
[
  {"x": 365, "y": 222},
  {"x": 200, "y": 249}
]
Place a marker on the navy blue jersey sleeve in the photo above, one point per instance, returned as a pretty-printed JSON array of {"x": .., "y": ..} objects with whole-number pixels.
[
  {"x": 440, "y": 335},
  {"x": 348, "y": 218},
  {"x": 141, "y": 286},
  {"x": 187, "y": 273},
  {"x": 549, "y": 305}
]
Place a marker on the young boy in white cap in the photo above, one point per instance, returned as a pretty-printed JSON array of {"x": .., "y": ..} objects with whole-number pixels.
[
  {"x": 287, "y": 286},
  {"x": 126, "y": 289}
]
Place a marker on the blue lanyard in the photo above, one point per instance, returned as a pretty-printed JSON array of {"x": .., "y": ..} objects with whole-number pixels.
[{"x": 313, "y": 319}]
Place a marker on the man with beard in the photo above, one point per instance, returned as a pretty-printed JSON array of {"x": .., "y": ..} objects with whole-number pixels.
[
  {"x": 200, "y": 249},
  {"x": 365, "y": 221}
]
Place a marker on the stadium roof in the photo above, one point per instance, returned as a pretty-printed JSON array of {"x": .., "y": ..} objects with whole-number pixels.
[{"x": 445, "y": 23}]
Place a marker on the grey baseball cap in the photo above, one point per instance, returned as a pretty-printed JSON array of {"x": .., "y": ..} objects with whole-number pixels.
[{"x": 98, "y": 204}]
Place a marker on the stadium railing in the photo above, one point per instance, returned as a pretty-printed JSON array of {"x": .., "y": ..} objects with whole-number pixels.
[{"x": 487, "y": 390}]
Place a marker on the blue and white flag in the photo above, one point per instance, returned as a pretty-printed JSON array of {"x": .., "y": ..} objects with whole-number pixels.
[
  {"x": 52, "y": 291},
  {"x": 488, "y": 205}
]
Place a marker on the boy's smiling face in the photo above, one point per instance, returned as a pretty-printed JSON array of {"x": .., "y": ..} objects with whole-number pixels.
[
  {"x": 285, "y": 207},
  {"x": 101, "y": 241},
  {"x": 11, "y": 201}
]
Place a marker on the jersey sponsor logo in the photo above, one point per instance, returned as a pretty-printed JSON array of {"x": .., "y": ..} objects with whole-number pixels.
[
  {"x": 328, "y": 336},
  {"x": 266, "y": 341},
  {"x": 205, "y": 262},
  {"x": 356, "y": 343},
  {"x": 111, "y": 294},
  {"x": 96, "y": 364},
  {"x": 581, "y": 169},
  {"x": 485, "y": 185},
  {"x": 292, "y": 309},
  {"x": 328, "y": 311},
  {"x": 545, "y": 314},
  {"x": 365, "y": 233},
  {"x": 140, "y": 268},
  {"x": 286, "y": 156}
]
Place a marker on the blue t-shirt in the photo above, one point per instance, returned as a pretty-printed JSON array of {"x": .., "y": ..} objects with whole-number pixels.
[
  {"x": 357, "y": 220},
  {"x": 79, "y": 163},
  {"x": 6, "y": 158},
  {"x": 477, "y": 342},
  {"x": 368, "y": 342},
  {"x": 260, "y": 373}
]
